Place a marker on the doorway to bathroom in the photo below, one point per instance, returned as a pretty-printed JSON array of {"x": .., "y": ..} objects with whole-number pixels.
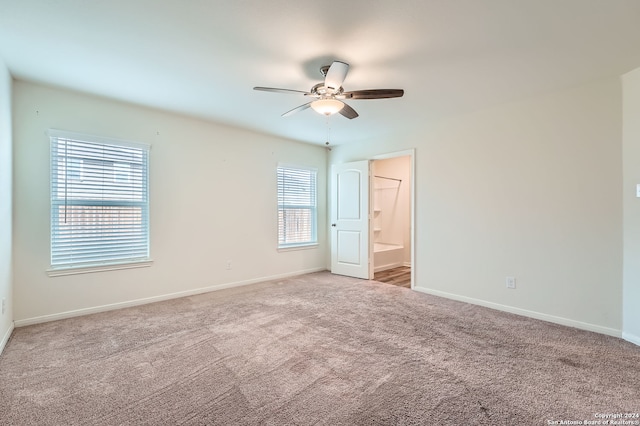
[
  {"x": 391, "y": 219},
  {"x": 372, "y": 224}
]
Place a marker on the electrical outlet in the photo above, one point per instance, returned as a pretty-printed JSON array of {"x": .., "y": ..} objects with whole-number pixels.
[
  {"x": 228, "y": 265},
  {"x": 511, "y": 282},
  {"x": 4, "y": 305}
]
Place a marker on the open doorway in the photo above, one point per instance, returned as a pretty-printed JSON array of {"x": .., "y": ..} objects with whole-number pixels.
[
  {"x": 357, "y": 222},
  {"x": 391, "y": 219}
]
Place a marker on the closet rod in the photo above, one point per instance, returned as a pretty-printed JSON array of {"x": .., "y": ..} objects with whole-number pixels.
[{"x": 384, "y": 177}]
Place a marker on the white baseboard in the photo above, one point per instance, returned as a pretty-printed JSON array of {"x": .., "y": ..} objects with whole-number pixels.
[
  {"x": 631, "y": 338},
  {"x": 153, "y": 299},
  {"x": 524, "y": 312},
  {"x": 5, "y": 338}
]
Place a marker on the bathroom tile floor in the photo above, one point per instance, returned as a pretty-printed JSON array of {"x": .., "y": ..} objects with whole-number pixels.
[{"x": 400, "y": 276}]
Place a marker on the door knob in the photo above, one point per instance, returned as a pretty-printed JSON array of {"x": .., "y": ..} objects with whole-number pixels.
[{"x": 333, "y": 224}]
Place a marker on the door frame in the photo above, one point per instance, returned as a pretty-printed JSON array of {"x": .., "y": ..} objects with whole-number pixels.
[{"x": 405, "y": 153}]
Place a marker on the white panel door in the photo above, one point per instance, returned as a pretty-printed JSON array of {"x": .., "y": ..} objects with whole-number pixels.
[{"x": 350, "y": 219}]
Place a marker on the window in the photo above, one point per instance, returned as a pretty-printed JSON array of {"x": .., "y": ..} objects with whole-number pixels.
[
  {"x": 99, "y": 201},
  {"x": 297, "y": 211}
]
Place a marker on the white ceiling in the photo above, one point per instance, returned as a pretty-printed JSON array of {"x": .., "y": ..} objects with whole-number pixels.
[{"x": 203, "y": 57}]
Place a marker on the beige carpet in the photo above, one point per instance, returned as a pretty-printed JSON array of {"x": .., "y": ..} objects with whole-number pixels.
[{"x": 313, "y": 350}]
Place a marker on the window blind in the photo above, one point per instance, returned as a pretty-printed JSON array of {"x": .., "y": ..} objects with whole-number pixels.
[
  {"x": 99, "y": 202},
  {"x": 297, "y": 207}
]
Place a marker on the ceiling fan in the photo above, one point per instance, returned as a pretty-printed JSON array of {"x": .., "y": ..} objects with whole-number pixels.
[{"x": 329, "y": 95}]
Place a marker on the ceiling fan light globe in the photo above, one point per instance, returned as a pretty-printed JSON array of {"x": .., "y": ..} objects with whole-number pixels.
[{"x": 327, "y": 106}]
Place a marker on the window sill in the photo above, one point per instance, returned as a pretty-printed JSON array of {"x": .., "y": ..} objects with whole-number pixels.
[
  {"x": 58, "y": 272},
  {"x": 299, "y": 247}
]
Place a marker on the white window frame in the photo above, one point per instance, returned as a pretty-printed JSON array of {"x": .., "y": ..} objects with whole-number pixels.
[
  {"x": 69, "y": 266},
  {"x": 313, "y": 208}
]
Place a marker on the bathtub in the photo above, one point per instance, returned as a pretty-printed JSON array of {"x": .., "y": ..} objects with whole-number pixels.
[{"x": 387, "y": 256}]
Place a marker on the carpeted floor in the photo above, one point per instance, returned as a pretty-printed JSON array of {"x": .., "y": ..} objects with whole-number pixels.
[{"x": 313, "y": 350}]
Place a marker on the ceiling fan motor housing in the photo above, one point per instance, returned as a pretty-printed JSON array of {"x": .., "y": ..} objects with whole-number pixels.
[{"x": 321, "y": 91}]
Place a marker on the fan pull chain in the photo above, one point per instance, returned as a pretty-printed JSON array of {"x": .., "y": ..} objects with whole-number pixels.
[
  {"x": 327, "y": 143},
  {"x": 328, "y": 129}
]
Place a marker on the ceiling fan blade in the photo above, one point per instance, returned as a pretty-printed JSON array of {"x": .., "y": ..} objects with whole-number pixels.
[
  {"x": 373, "y": 94},
  {"x": 276, "y": 90},
  {"x": 335, "y": 76},
  {"x": 296, "y": 109},
  {"x": 348, "y": 112}
]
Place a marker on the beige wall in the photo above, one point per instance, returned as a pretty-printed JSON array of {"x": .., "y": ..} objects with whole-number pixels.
[
  {"x": 631, "y": 203},
  {"x": 213, "y": 199},
  {"x": 531, "y": 189},
  {"x": 6, "y": 319}
]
